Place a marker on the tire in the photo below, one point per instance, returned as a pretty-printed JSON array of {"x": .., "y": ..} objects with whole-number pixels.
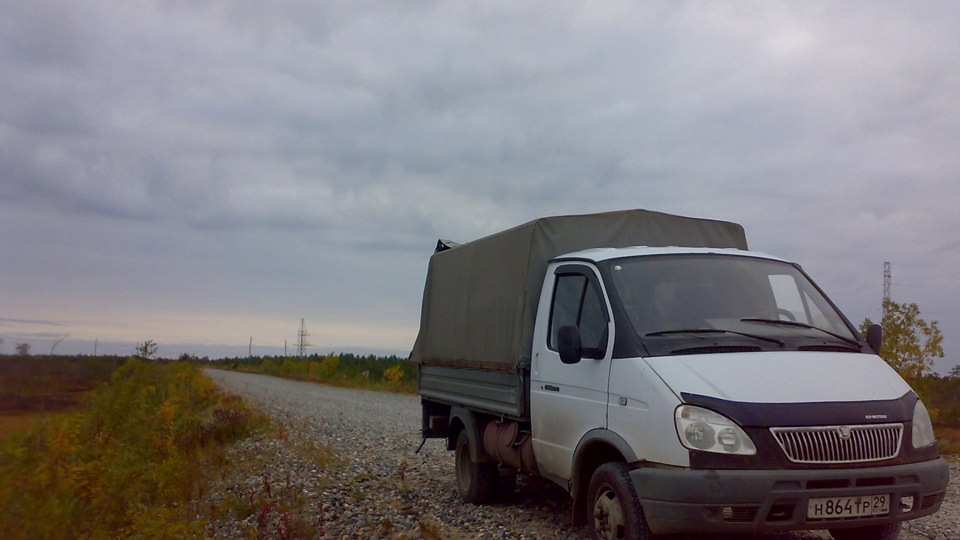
[
  {"x": 890, "y": 531},
  {"x": 614, "y": 510},
  {"x": 476, "y": 482}
]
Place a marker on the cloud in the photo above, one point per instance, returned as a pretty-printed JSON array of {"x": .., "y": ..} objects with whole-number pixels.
[
  {"x": 5, "y": 320},
  {"x": 190, "y": 152}
]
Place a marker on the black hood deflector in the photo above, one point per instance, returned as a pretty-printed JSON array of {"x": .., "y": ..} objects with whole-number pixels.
[{"x": 845, "y": 413}]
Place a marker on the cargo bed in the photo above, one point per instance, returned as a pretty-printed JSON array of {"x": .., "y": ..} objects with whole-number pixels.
[{"x": 500, "y": 393}]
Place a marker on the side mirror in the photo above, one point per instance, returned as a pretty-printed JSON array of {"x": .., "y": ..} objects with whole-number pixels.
[
  {"x": 571, "y": 349},
  {"x": 875, "y": 337}
]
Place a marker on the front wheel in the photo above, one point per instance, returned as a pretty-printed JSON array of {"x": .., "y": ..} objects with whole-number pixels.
[
  {"x": 476, "y": 482},
  {"x": 890, "y": 531},
  {"x": 615, "y": 511}
]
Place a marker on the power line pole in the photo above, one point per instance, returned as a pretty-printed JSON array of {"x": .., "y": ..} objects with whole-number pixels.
[
  {"x": 886, "y": 287},
  {"x": 302, "y": 342}
]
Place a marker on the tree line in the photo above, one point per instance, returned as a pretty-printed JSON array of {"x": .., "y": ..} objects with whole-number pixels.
[{"x": 347, "y": 369}]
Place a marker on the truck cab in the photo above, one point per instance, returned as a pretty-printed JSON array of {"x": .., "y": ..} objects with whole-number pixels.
[{"x": 730, "y": 393}]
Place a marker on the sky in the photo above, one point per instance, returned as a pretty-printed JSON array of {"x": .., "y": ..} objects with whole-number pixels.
[{"x": 207, "y": 173}]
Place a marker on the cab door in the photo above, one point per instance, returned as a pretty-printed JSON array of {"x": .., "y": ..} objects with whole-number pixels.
[{"x": 568, "y": 400}]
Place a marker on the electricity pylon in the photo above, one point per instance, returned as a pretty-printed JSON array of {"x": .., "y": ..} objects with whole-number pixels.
[
  {"x": 302, "y": 342},
  {"x": 886, "y": 287}
]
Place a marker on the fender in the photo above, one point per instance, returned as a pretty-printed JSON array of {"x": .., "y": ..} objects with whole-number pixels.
[
  {"x": 473, "y": 427},
  {"x": 596, "y": 447},
  {"x": 587, "y": 454}
]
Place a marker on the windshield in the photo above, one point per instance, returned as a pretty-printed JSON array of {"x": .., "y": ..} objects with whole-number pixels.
[{"x": 701, "y": 303}]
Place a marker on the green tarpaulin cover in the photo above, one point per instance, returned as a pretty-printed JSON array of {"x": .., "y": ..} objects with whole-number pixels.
[{"x": 480, "y": 298}]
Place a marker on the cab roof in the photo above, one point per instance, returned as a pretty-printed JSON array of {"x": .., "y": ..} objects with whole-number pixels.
[{"x": 606, "y": 253}]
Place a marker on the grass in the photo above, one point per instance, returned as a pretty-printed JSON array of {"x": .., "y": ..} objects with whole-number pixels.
[
  {"x": 12, "y": 425},
  {"x": 130, "y": 463},
  {"x": 104, "y": 448},
  {"x": 50, "y": 384},
  {"x": 948, "y": 440},
  {"x": 36, "y": 389}
]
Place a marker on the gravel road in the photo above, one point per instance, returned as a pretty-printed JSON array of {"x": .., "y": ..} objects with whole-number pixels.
[{"x": 345, "y": 466}]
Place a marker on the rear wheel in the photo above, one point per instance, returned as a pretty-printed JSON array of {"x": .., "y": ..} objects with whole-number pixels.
[
  {"x": 615, "y": 511},
  {"x": 476, "y": 482},
  {"x": 890, "y": 531}
]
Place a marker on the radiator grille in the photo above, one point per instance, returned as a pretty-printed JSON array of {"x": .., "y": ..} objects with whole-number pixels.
[{"x": 840, "y": 444}]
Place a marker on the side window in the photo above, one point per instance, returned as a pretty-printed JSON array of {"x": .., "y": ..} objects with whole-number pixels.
[
  {"x": 567, "y": 296},
  {"x": 577, "y": 302},
  {"x": 593, "y": 324}
]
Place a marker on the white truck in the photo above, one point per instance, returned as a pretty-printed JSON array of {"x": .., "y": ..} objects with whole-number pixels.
[{"x": 670, "y": 380}]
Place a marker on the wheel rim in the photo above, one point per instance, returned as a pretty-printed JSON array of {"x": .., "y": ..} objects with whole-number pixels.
[
  {"x": 464, "y": 470},
  {"x": 608, "y": 519}
]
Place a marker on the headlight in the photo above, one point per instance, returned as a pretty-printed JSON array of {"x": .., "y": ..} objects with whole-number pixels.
[
  {"x": 703, "y": 429},
  {"x": 922, "y": 427}
]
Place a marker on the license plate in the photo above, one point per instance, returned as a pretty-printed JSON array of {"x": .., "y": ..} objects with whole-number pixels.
[{"x": 847, "y": 507}]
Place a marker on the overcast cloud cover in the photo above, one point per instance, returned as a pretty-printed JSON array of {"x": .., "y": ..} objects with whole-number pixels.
[{"x": 203, "y": 172}]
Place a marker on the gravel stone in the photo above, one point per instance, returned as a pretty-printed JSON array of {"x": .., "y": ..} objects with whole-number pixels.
[{"x": 344, "y": 464}]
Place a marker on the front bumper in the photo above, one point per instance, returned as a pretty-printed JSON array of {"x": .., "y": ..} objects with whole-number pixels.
[{"x": 686, "y": 500}]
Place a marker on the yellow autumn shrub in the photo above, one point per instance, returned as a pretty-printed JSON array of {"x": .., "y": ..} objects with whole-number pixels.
[{"x": 127, "y": 465}]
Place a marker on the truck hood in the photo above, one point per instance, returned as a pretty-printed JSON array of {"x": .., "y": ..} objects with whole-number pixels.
[{"x": 781, "y": 377}]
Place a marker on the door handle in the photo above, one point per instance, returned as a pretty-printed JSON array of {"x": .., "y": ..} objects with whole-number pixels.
[{"x": 551, "y": 388}]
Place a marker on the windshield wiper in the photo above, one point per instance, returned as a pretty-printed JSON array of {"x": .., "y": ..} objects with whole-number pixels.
[
  {"x": 714, "y": 331},
  {"x": 779, "y": 322}
]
